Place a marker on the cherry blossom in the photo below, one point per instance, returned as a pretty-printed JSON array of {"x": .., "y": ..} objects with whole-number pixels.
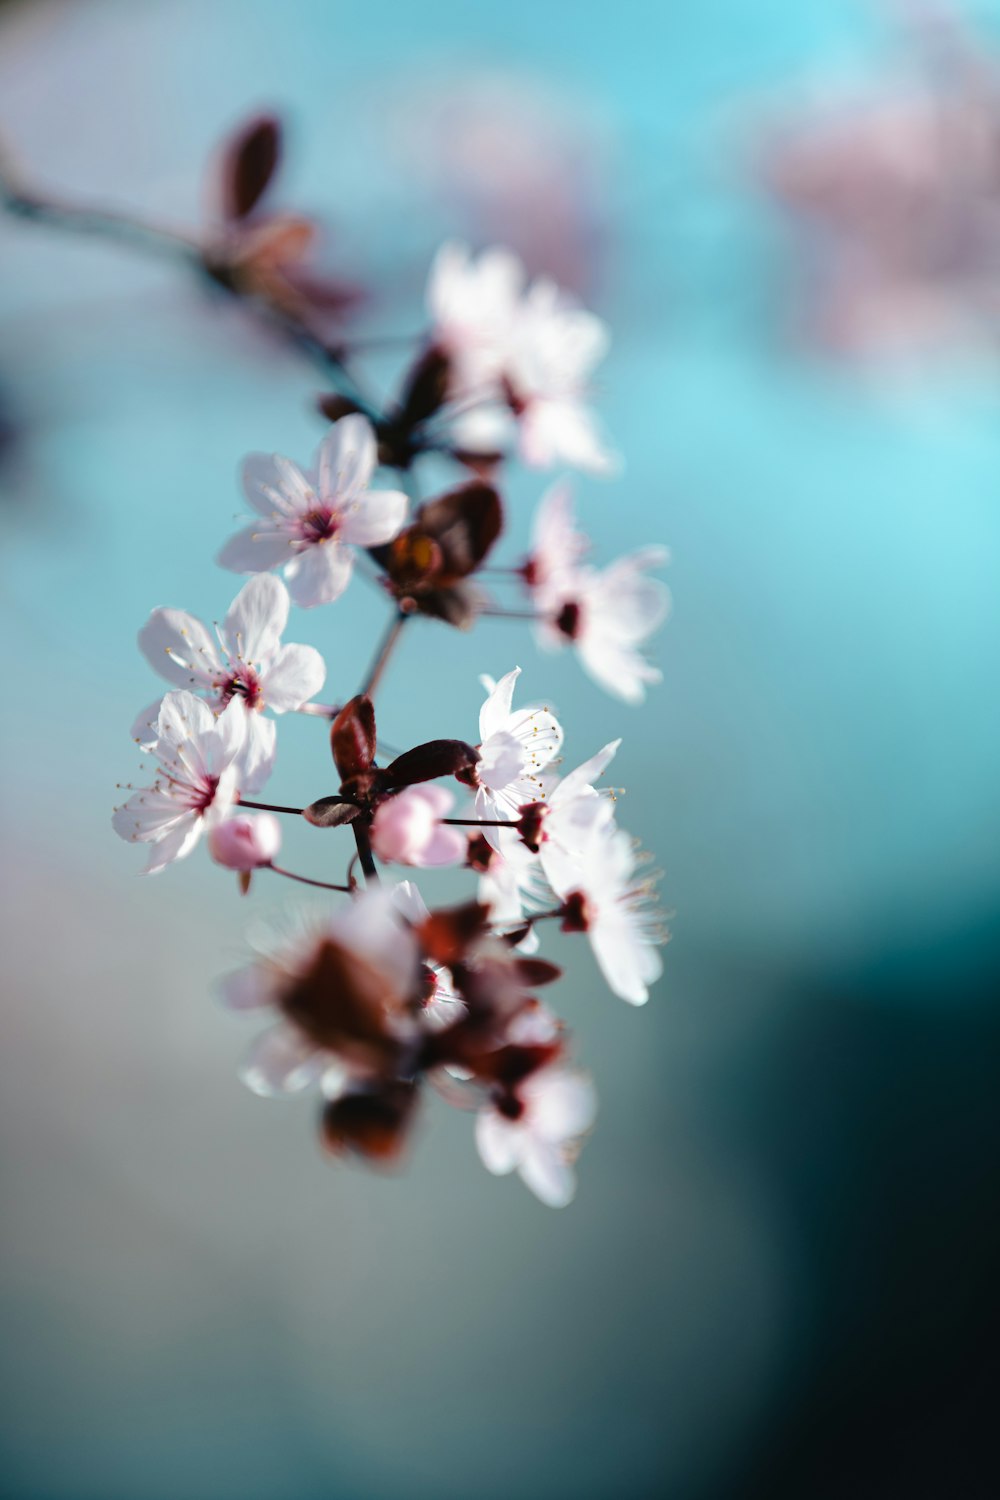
[
  {"x": 554, "y": 347},
  {"x": 515, "y": 747},
  {"x": 310, "y": 521},
  {"x": 339, "y": 985},
  {"x": 608, "y": 614},
  {"x": 537, "y": 1131},
  {"x": 196, "y": 784},
  {"x": 472, "y": 304},
  {"x": 246, "y": 841},
  {"x": 607, "y": 897},
  {"x": 246, "y": 666},
  {"x": 568, "y": 819}
]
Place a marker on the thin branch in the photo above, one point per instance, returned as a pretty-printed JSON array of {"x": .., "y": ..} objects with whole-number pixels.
[
  {"x": 365, "y": 852},
  {"x": 385, "y": 649},
  {"x": 323, "y": 885},
  {"x": 296, "y": 812}
]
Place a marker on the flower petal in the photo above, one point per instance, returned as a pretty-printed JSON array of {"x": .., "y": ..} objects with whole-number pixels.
[
  {"x": 179, "y": 648},
  {"x": 495, "y": 711},
  {"x": 252, "y": 628},
  {"x": 319, "y": 574},
  {"x": 282, "y": 1061},
  {"x": 255, "y": 549},
  {"x": 346, "y": 459},
  {"x": 295, "y": 675},
  {"x": 374, "y": 518},
  {"x": 498, "y": 1141}
]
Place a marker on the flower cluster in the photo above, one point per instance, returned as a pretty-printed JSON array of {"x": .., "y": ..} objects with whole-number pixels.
[{"x": 379, "y": 997}]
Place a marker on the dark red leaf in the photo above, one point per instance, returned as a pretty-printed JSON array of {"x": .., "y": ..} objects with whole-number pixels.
[
  {"x": 352, "y": 737},
  {"x": 251, "y": 159},
  {"x": 426, "y": 762},
  {"x": 330, "y": 812},
  {"x": 536, "y": 971},
  {"x": 426, "y": 388}
]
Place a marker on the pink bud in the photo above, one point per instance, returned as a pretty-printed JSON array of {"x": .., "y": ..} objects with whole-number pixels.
[
  {"x": 245, "y": 841},
  {"x": 406, "y": 828}
]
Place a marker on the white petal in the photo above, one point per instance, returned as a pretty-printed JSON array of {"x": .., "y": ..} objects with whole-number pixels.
[
  {"x": 319, "y": 574},
  {"x": 230, "y": 730},
  {"x": 176, "y": 844},
  {"x": 147, "y": 816},
  {"x": 347, "y": 457},
  {"x": 498, "y": 1141},
  {"x": 282, "y": 1061},
  {"x": 273, "y": 484},
  {"x": 584, "y": 776},
  {"x": 257, "y": 616},
  {"x": 246, "y": 989},
  {"x": 628, "y": 962},
  {"x": 376, "y": 517},
  {"x": 255, "y": 549},
  {"x": 143, "y": 730},
  {"x": 549, "y": 1176},
  {"x": 255, "y": 761},
  {"x": 295, "y": 675},
  {"x": 496, "y": 710},
  {"x": 179, "y": 648}
]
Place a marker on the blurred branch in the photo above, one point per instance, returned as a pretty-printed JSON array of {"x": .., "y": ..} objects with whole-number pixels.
[{"x": 23, "y": 202}]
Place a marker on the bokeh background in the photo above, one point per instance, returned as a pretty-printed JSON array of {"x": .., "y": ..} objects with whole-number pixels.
[{"x": 777, "y": 1279}]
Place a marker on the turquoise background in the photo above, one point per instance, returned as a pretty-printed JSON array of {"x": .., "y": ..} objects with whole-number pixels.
[{"x": 200, "y": 1305}]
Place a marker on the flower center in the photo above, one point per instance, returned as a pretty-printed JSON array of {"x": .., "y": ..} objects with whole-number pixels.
[
  {"x": 243, "y": 683},
  {"x": 320, "y": 524},
  {"x": 568, "y": 620},
  {"x": 203, "y": 794}
]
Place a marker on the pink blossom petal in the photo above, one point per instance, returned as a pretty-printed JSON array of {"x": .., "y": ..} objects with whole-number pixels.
[
  {"x": 376, "y": 517},
  {"x": 282, "y": 1061}
]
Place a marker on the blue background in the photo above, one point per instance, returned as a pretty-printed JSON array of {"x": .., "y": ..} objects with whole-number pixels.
[{"x": 197, "y": 1304}]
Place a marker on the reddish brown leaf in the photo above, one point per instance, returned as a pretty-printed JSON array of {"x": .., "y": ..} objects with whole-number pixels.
[
  {"x": 251, "y": 160},
  {"x": 352, "y": 737},
  {"x": 426, "y": 762}
]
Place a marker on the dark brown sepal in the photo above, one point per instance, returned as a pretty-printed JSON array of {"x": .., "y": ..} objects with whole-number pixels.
[
  {"x": 244, "y": 882},
  {"x": 426, "y": 388},
  {"x": 344, "y": 1003},
  {"x": 352, "y": 737},
  {"x": 370, "y": 1123},
  {"x": 448, "y": 934},
  {"x": 250, "y": 162},
  {"x": 333, "y": 406},
  {"x": 533, "y": 815},
  {"x": 331, "y": 812},
  {"x": 537, "y": 971},
  {"x": 428, "y": 761},
  {"x": 574, "y": 913}
]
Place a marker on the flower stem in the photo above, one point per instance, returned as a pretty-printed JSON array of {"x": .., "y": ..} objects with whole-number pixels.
[
  {"x": 365, "y": 852},
  {"x": 296, "y": 812},
  {"x": 480, "y": 822},
  {"x": 323, "y": 885},
  {"x": 385, "y": 650}
]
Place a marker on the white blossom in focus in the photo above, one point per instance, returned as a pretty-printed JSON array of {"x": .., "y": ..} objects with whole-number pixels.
[
  {"x": 246, "y": 666},
  {"x": 618, "y": 906},
  {"x": 556, "y": 1107},
  {"x": 515, "y": 748},
  {"x": 196, "y": 782},
  {"x": 310, "y": 522}
]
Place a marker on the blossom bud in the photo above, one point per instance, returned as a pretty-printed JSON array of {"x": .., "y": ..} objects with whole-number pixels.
[
  {"x": 246, "y": 841},
  {"x": 406, "y": 828}
]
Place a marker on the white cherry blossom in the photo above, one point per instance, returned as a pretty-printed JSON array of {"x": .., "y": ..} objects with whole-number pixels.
[
  {"x": 557, "y": 548},
  {"x": 515, "y": 748},
  {"x": 608, "y": 614},
  {"x": 616, "y": 904},
  {"x": 472, "y": 302},
  {"x": 196, "y": 783},
  {"x": 555, "y": 1107},
  {"x": 309, "y": 522},
  {"x": 246, "y": 666},
  {"x": 575, "y": 807},
  {"x": 554, "y": 346}
]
